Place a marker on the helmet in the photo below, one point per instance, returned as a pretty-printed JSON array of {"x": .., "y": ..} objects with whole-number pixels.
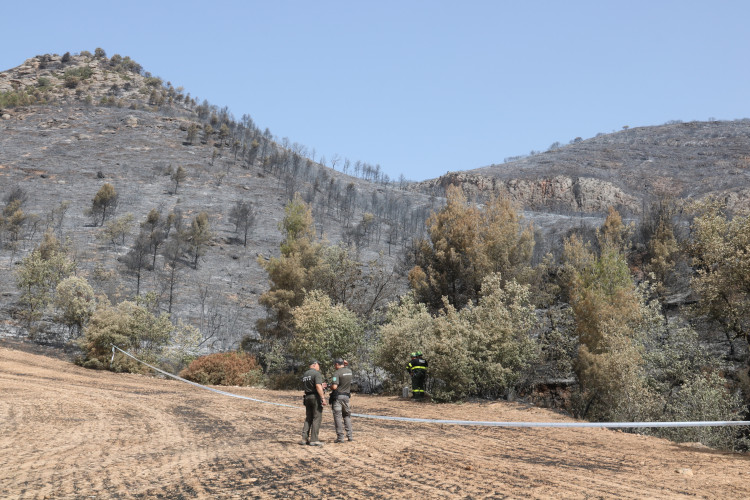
[
  {"x": 418, "y": 353},
  {"x": 413, "y": 355}
]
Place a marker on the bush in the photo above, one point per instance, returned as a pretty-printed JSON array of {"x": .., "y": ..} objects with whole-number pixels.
[
  {"x": 153, "y": 81},
  {"x": 225, "y": 368},
  {"x": 285, "y": 381},
  {"x": 81, "y": 73},
  {"x": 482, "y": 350},
  {"x": 75, "y": 303},
  {"x": 129, "y": 326},
  {"x": 15, "y": 98},
  {"x": 705, "y": 397}
]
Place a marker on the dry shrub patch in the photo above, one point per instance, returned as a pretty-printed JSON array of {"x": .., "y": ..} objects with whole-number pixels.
[{"x": 224, "y": 368}]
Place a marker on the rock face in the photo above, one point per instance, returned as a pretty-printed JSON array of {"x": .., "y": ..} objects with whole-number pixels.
[
  {"x": 560, "y": 192},
  {"x": 627, "y": 170}
]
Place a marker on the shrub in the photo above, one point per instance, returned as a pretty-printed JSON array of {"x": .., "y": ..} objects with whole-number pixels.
[
  {"x": 129, "y": 326},
  {"x": 75, "y": 303},
  {"x": 39, "y": 274},
  {"x": 481, "y": 350},
  {"x": 406, "y": 330},
  {"x": 323, "y": 330},
  {"x": 81, "y": 73},
  {"x": 15, "y": 98},
  {"x": 224, "y": 368},
  {"x": 704, "y": 397},
  {"x": 153, "y": 81}
]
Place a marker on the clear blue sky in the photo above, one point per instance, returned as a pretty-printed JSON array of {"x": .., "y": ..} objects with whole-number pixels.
[{"x": 420, "y": 87}]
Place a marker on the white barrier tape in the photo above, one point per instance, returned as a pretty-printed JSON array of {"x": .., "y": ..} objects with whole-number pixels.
[
  {"x": 197, "y": 384},
  {"x": 709, "y": 423},
  {"x": 558, "y": 424}
]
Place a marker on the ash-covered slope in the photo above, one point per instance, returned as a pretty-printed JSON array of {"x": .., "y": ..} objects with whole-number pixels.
[
  {"x": 63, "y": 144},
  {"x": 624, "y": 169}
]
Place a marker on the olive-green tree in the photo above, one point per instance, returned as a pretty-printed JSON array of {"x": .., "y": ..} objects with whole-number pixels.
[
  {"x": 407, "y": 328},
  {"x": 324, "y": 331},
  {"x": 177, "y": 177},
  {"x": 192, "y": 132},
  {"x": 466, "y": 244},
  {"x": 720, "y": 252},
  {"x": 131, "y": 326},
  {"x": 104, "y": 202},
  {"x": 75, "y": 303},
  {"x": 198, "y": 236},
  {"x": 290, "y": 273},
  {"x": 39, "y": 274},
  {"x": 116, "y": 230},
  {"x": 483, "y": 349}
]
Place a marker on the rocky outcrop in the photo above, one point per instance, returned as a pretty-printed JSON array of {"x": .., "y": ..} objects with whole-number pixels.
[{"x": 560, "y": 192}]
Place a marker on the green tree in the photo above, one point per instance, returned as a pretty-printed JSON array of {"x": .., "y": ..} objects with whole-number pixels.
[
  {"x": 192, "y": 132},
  {"x": 465, "y": 245},
  {"x": 208, "y": 132},
  {"x": 483, "y": 349},
  {"x": 290, "y": 273},
  {"x": 75, "y": 303},
  {"x": 663, "y": 251},
  {"x": 407, "y": 328},
  {"x": 130, "y": 326},
  {"x": 39, "y": 274},
  {"x": 178, "y": 176},
  {"x": 720, "y": 252},
  {"x": 198, "y": 236},
  {"x": 323, "y": 330},
  {"x": 104, "y": 202},
  {"x": 223, "y": 133},
  {"x": 13, "y": 219},
  {"x": 609, "y": 315}
]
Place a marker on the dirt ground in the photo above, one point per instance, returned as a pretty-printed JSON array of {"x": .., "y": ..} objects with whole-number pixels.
[{"x": 68, "y": 432}]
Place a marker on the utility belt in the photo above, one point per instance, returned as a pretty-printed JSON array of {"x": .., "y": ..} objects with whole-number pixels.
[{"x": 312, "y": 394}]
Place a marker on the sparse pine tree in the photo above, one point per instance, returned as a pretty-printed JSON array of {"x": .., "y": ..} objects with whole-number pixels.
[{"x": 104, "y": 202}]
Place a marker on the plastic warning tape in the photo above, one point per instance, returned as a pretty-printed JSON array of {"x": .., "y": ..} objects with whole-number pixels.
[
  {"x": 708, "y": 423},
  {"x": 224, "y": 393}
]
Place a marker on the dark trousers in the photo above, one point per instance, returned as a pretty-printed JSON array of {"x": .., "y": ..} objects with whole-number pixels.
[
  {"x": 417, "y": 383},
  {"x": 313, "y": 417}
]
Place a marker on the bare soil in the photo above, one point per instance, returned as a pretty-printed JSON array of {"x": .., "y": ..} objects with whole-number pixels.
[{"x": 68, "y": 432}]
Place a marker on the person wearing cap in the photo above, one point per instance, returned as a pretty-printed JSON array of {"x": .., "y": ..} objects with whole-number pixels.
[
  {"x": 417, "y": 368},
  {"x": 312, "y": 380},
  {"x": 341, "y": 385}
]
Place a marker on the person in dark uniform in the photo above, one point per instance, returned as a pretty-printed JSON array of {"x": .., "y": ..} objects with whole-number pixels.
[
  {"x": 417, "y": 368},
  {"x": 312, "y": 380},
  {"x": 341, "y": 385}
]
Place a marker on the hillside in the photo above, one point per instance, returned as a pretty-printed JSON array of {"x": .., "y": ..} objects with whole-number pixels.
[
  {"x": 624, "y": 169},
  {"x": 65, "y": 147},
  {"x": 101, "y": 434},
  {"x": 69, "y": 124}
]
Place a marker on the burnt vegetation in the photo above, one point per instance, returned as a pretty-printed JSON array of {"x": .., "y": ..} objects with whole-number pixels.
[{"x": 605, "y": 276}]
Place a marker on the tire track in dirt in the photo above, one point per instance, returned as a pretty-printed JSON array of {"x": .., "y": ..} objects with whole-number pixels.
[{"x": 73, "y": 433}]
